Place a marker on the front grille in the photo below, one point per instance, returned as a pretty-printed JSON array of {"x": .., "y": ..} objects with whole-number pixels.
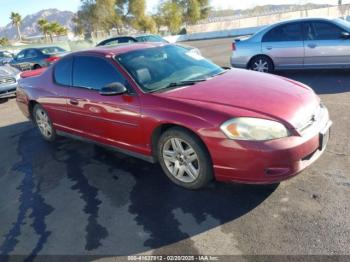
[{"x": 8, "y": 80}]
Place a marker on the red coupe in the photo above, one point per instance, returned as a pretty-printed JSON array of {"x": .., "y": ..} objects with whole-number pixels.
[{"x": 163, "y": 103}]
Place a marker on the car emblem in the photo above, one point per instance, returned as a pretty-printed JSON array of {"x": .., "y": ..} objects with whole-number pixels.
[{"x": 313, "y": 118}]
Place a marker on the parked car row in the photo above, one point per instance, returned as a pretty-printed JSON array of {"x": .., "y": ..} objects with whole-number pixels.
[
  {"x": 308, "y": 43},
  {"x": 42, "y": 57}
]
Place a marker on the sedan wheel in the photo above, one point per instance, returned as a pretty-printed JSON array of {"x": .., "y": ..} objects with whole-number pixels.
[
  {"x": 43, "y": 123},
  {"x": 184, "y": 159},
  {"x": 262, "y": 64}
]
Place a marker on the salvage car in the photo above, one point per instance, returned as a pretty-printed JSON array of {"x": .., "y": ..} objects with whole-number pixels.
[
  {"x": 34, "y": 58},
  {"x": 8, "y": 80},
  {"x": 306, "y": 43},
  {"x": 163, "y": 103}
]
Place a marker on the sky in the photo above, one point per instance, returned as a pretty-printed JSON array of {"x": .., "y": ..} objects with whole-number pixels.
[{"x": 25, "y": 7}]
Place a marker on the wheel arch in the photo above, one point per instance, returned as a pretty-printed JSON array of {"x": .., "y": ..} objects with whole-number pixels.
[
  {"x": 160, "y": 129},
  {"x": 31, "y": 106}
]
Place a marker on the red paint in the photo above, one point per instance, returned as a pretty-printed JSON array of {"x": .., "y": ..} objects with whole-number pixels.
[
  {"x": 31, "y": 73},
  {"x": 52, "y": 59},
  {"x": 128, "y": 121}
]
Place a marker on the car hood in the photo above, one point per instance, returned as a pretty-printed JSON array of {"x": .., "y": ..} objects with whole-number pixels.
[
  {"x": 8, "y": 71},
  {"x": 260, "y": 94}
]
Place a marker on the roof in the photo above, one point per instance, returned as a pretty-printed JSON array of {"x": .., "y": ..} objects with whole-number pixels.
[
  {"x": 120, "y": 49},
  {"x": 303, "y": 19}
]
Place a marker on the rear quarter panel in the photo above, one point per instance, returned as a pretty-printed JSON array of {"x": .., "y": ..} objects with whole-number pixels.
[{"x": 245, "y": 50}]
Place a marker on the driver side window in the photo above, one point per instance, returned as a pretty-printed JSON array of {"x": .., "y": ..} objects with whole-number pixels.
[
  {"x": 94, "y": 73},
  {"x": 20, "y": 55},
  {"x": 323, "y": 31}
]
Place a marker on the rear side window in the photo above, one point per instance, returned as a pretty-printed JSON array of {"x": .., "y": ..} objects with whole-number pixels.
[
  {"x": 323, "y": 31},
  {"x": 63, "y": 71},
  {"x": 94, "y": 73},
  {"x": 287, "y": 32}
]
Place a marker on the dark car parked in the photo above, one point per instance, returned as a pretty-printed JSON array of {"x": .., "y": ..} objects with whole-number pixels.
[
  {"x": 142, "y": 38},
  {"x": 132, "y": 39},
  {"x": 34, "y": 58}
]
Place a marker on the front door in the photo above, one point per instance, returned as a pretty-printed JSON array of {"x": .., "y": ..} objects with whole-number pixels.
[
  {"x": 113, "y": 119},
  {"x": 325, "y": 46}
]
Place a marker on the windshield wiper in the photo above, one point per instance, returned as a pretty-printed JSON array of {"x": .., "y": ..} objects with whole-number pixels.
[{"x": 180, "y": 83}]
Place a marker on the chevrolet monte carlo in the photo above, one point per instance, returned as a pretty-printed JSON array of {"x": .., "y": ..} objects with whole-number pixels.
[{"x": 163, "y": 103}]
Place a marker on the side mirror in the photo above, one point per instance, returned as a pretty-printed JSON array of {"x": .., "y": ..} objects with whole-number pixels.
[
  {"x": 345, "y": 35},
  {"x": 113, "y": 89}
]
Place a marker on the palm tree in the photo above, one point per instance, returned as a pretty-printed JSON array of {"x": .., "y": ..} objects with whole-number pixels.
[
  {"x": 4, "y": 41},
  {"x": 16, "y": 21},
  {"x": 55, "y": 28},
  {"x": 43, "y": 25}
]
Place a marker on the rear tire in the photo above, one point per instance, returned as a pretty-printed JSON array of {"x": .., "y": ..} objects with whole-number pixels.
[
  {"x": 184, "y": 159},
  {"x": 43, "y": 123},
  {"x": 262, "y": 64}
]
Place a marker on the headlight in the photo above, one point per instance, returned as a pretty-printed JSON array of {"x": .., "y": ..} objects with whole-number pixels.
[{"x": 246, "y": 128}]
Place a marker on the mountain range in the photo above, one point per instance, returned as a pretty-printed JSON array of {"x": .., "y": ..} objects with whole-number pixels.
[
  {"x": 264, "y": 9},
  {"x": 29, "y": 25}
]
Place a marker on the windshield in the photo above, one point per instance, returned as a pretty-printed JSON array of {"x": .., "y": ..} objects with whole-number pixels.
[
  {"x": 343, "y": 23},
  {"x": 160, "y": 67},
  {"x": 52, "y": 50},
  {"x": 150, "y": 38}
]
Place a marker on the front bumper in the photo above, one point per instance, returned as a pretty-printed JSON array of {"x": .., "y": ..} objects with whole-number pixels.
[
  {"x": 267, "y": 162},
  {"x": 8, "y": 90}
]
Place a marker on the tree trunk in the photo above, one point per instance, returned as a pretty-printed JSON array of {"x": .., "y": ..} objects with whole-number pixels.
[{"x": 19, "y": 33}]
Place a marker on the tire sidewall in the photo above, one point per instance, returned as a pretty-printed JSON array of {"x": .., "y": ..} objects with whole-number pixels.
[{"x": 205, "y": 163}]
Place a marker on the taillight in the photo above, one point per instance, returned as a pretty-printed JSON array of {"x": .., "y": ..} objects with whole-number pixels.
[
  {"x": 52, "y": 59},
  {"x": 233, "y": 46}
]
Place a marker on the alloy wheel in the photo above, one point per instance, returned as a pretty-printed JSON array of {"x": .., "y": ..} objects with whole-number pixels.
[
  {"x": 43, "y": 122},
  {"x": 181, "y": 160},
  {"x": 261, "y": 65}
]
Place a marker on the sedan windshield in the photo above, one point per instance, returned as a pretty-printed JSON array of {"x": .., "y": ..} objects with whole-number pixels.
[
  {"x": 343, "y": 23},
  {"x": 168, "y": 66}
]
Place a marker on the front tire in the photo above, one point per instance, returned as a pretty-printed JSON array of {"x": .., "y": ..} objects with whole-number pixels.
[
  {"x": 44, "y": 124},
  {"x": 262, "y": 64},
  {"x": 184, "y": 159}
]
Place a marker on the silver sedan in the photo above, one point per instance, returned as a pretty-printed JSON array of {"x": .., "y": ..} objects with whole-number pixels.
[
  {"x": 307, "y": 43},
  {"x": 8, "y": 80}
]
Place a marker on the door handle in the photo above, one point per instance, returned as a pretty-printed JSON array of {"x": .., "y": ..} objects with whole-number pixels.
[
  {"x": 269, "y": 47},
  {"x": 312, "y": 45},
  {"x": 74, "y": 102}
]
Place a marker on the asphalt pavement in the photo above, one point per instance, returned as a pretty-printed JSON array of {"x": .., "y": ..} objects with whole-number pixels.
[{"x": 73, "y": 198}]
